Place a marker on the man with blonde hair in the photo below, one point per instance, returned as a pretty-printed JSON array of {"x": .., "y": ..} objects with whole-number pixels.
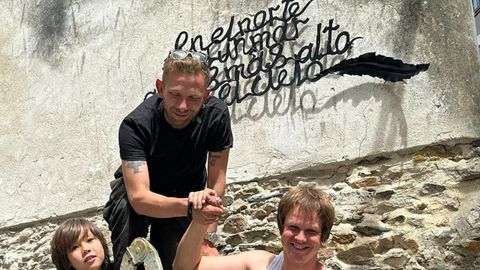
[
  {"x": 305, "y": 217},
  {"x": 165, "y": 144}
]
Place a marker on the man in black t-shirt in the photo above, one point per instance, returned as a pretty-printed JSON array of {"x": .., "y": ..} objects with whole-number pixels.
[{"x": 164, "y": 146}]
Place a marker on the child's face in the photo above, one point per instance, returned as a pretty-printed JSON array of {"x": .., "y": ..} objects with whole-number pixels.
[{"x": 87, "y": 252}]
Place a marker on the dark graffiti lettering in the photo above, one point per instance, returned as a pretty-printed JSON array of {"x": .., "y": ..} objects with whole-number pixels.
[{"x": 249, "y": 56}]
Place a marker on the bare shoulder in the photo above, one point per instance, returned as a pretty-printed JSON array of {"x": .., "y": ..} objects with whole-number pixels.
[{"x": 258, "y": 259}]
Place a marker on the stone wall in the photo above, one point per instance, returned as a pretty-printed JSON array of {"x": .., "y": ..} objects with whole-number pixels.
[
  {"x": 414, "y": 209},
  {"x": 70, "y": 71},
  {"x": 418, "y": 209},
  {"x": 398, "y": 158}
]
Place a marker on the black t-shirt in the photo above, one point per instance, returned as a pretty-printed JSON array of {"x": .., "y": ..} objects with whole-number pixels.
[{"x": 175, "y": 157}]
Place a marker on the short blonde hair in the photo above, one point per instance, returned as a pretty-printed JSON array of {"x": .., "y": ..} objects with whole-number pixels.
[
  {"x": 311, "y": 200},
  {"x": 186, "y": 65}
]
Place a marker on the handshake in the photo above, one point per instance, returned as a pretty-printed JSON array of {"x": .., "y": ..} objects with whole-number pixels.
[{"x": 204, "y": 206}]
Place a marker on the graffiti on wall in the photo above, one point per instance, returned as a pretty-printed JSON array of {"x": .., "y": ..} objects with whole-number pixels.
[{"x": 260, "y": 53}]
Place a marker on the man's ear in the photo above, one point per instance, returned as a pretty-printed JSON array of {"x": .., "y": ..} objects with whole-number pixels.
[
  {"x": 159, "y": 85},
  {"x": 206, "y": 94}
]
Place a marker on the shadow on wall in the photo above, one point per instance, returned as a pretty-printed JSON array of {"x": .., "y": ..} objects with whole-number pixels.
[
  {"x": 390, "y": 125},
  {"x": 403, "y": 45},
  {"x": 275, "y": 103}
]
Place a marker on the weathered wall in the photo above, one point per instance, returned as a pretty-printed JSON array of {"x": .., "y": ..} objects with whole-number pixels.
[
  {"x": 477, "y": 26},
  {"x": 414, "y": 209},
  {"x": 71, "y": 70}
]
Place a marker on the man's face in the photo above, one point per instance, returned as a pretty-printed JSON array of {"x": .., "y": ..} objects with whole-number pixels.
[
  {"x": 183, "y": 96},
  {"x": 301, "y": 237}
]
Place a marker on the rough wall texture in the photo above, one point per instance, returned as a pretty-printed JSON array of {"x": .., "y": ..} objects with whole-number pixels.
[
  {"x": 71, "y": 70},
  {"x": 400, "y": 159},
  {"x": 414, "y": 209}
]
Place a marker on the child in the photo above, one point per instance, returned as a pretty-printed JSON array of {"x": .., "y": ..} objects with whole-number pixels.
[{"x": 78, "y": 244}]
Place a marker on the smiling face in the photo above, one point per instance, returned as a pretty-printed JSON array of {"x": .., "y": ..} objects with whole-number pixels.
[
  {"x": 87, "y": 252},
  {"x": 183, "y": 96},
  {"x": 301, "y": 238}
]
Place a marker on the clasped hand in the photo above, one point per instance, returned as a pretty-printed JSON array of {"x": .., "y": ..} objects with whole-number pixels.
[{"x": 207, "y": 207}]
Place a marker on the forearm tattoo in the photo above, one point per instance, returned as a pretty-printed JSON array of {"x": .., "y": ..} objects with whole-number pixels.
[
  {"x": 212, "y": 159},
  {"x": 135, "y": 165}
]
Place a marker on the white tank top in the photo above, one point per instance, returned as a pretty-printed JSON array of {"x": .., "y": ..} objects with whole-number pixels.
[{"x": 277, "y": 262}]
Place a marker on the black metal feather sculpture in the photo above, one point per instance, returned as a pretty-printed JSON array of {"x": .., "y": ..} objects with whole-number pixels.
[{"x": 379, "y": 66}]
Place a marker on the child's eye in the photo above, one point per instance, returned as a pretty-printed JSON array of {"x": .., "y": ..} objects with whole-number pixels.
[{"x": 74, "y": 247}]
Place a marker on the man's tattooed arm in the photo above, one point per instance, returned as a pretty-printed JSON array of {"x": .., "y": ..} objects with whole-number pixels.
[
  {"x": 212, "y": 158},
  {"x": 135, "y": 165}
]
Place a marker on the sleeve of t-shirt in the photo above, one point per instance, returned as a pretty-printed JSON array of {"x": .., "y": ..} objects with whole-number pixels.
[
  {"x": 220, "y": 133},
  {"x": 132, "y": 140}
]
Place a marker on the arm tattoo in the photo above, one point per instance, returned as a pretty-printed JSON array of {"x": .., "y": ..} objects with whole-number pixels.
[
  {"x": 135, "y": 165},
  {"x": 212, "y": 159}
]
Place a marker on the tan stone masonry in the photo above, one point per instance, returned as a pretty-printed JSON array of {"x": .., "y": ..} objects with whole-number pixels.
[{"x": 418, "y": 209}]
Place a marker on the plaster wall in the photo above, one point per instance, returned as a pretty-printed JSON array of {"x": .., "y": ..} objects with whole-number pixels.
[
  {"x": 71, "y": 70},
  {"x": 477, "y": 26}
]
